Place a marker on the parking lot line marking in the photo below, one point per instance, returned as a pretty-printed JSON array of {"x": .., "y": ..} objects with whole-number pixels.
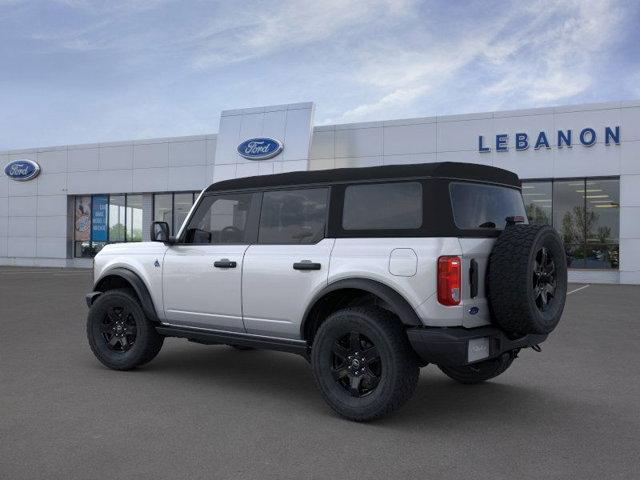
[{"x": 578, "y": 289}]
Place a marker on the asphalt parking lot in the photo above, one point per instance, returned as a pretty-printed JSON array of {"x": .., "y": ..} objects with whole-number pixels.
[{"x": 572, "y": 411}]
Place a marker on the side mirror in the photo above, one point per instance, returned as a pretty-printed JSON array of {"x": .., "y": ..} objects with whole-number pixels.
[{"x": 159, "y": 232}]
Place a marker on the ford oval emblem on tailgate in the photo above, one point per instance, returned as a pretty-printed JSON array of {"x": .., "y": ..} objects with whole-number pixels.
[{"x": 473, "y": 310}]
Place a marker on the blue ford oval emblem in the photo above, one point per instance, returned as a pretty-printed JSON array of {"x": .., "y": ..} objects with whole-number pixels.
[
  {"x": 474, "y": 310},
  {"x": 22, "y": 170},
  {"x": 260, "y": 148}
]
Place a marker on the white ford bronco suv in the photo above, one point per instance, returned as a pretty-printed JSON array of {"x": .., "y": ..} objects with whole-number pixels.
[{"x": 369, "y": 273}]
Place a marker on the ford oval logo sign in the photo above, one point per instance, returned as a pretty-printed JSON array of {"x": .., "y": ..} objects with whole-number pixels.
[
  {"x": 260, "y": 148},
  {"x": 22, "y": 170}
]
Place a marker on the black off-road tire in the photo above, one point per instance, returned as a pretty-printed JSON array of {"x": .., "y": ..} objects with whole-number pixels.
[
  {"x": 147, "y": 341},
  {"x": 397, "y": 366},
  {"x": 515, "y": 277},
  {"x": 479, "y": 372}
]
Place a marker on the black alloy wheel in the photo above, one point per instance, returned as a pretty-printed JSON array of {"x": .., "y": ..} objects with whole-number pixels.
[
  {"x": 119, "y": 333},
  {"x": 363, "y": 362},
  {"x": 527, "y": 279},
  {"x": 544, "y": 278},
  {"x": 356, "y": 364},
  {"x": 119, "y": 328}
]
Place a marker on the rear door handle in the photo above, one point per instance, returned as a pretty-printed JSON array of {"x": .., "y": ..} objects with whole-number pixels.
[
  {"x": 224, "y": 263},
  {"x": 306, "y": 265}
]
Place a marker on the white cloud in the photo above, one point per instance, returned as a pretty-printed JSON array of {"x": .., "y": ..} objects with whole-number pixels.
[
  {"x": 555, "y": 63},
  {"x": 287, "y": 25},
  {"x": 159, "y": 67},
  {"x": 397, "y": 98},
  {"x": 544, "y": 52}
]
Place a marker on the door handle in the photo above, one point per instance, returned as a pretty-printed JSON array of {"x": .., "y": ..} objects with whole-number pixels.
[
  {"x": 306, "y": 265},
  {"x": 473, "y": 278},
  {"x": 224, "y": 263}
]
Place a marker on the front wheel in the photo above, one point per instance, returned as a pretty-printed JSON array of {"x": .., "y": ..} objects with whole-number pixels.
[
  {"x": 363, "y": 363},
  {"x": 119, "y": 333},
  {"x": 481, "y": 371}
]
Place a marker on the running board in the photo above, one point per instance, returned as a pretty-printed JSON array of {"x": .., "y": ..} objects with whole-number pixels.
[{"x": 213, "y": 337}]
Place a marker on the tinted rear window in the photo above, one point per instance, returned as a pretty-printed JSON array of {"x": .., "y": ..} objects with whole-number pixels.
[
  {"x": 383, "y": 206},
  {"x": 477, "y": 206},
  {"x": 293, "y": 216}
]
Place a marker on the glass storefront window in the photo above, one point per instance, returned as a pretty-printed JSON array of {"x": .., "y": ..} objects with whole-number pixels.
[
  {"x": 102, "y": 219},
  {"x": 569, "y": 219},
  {"x": 182, "y": 203},
  {"x": 134, "y": 218},
  {"x": 603, "y": 223},
  {"x": 568, "y": 210},
  {"x": 586, "y": 213},
  {"x": 163, "y": 209},
  {"x": 538, "y": 202},
  {"x": 172, "y": 208},
  {"x": 82, "y": 227},
  {"x": 117, "y": 218}
]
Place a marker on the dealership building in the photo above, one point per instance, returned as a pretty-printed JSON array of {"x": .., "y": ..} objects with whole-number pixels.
[{"x": 580, "y": 167}]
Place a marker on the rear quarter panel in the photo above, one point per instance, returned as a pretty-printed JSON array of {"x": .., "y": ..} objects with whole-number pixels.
[{"x": 369, "y": 258}]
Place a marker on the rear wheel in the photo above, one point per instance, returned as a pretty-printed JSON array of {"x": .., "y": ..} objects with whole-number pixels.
[
  {"x": 363, "y": 363},
  {"x": 480, "y": 372},
  {"x": 119, "y": 333}
]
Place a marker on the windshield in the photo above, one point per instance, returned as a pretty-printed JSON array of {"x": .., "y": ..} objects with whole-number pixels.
[{"x": 476, "y": 205}]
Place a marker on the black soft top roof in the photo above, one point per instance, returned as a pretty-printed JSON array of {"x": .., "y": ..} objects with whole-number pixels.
[{"x": 453, "y": 170}]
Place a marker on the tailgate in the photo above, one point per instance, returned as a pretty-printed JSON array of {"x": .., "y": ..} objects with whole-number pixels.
[{"x": 475, "y": 259}]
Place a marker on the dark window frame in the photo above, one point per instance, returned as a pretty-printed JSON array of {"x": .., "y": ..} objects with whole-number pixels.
[{"x": 437, "y": 212}]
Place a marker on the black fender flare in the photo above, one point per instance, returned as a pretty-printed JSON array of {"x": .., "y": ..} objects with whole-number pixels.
[
  {"x": 397, "y": 302},
  {"x": 138, "y": 285}
]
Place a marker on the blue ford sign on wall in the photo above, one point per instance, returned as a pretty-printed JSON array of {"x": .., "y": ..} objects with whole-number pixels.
[
  {"x": 260, "y": 148},
  {"x": 22, "y": 170}
]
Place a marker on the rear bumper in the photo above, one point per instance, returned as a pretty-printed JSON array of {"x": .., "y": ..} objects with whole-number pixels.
[{"x": 456, "y": 346}]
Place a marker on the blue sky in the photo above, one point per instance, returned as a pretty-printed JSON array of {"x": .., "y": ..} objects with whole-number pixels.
[{"x": 77, "y": 71}]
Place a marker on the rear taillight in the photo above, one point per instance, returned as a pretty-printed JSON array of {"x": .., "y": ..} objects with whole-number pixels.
[{"x": 449, "y": 280}]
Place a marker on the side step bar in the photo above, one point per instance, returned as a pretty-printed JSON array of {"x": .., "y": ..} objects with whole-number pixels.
[{"x": 213, "y": 337}]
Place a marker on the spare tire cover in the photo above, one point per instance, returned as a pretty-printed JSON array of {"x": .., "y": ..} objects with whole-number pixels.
[{"x": 527, "y": 279}]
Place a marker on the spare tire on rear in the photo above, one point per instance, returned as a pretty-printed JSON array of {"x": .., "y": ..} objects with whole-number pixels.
[{"x": 527, "y": 279}]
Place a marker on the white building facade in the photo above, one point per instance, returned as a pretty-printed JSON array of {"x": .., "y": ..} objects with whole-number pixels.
[{"x": 580, "y": 167}]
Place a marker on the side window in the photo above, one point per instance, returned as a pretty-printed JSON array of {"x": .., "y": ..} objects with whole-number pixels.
[
  {"x": 219, "y": 219},
  {"x": 383, "y": 206},
  {"x": 293, "y": 216}
]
